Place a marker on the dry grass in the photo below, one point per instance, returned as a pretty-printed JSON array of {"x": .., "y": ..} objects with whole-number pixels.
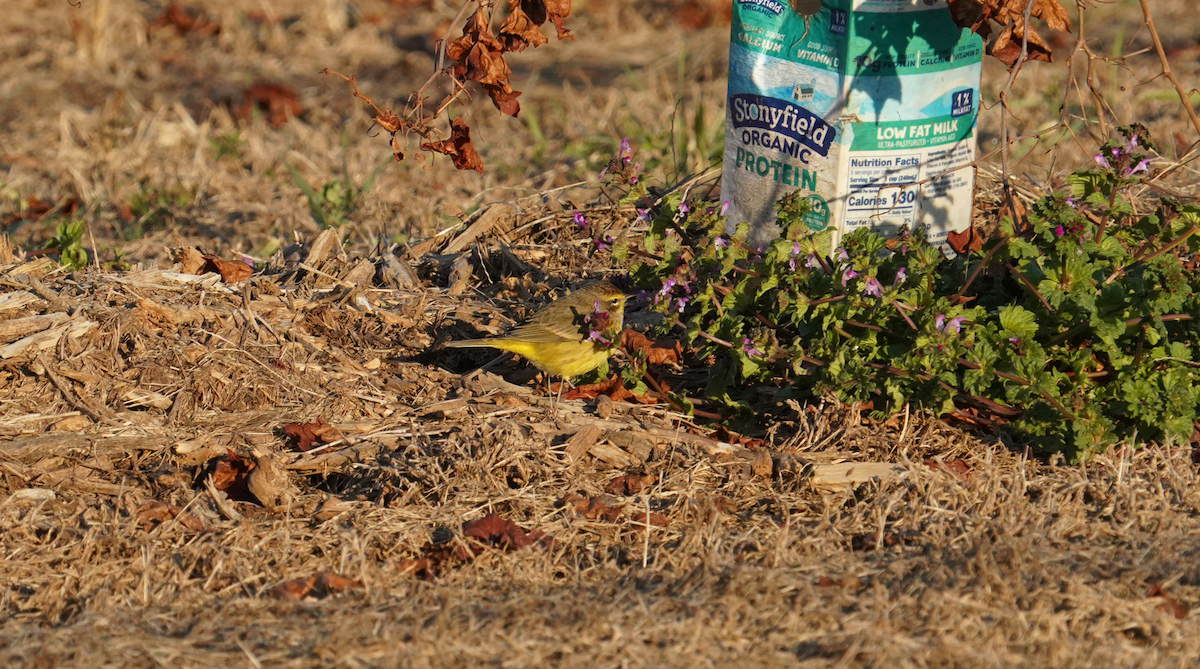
[{"x": 974, "y": 556}]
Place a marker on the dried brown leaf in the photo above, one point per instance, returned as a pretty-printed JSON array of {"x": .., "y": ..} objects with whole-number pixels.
[
  {"x": 652, "y": 519},
  {"x": 231, "y": 271},
  {"x": 629, "y": 484},
  {"x": 978, "y": 16},
  {"x": 231, "y": 475},
  {"x": 185, "y": 21},
  {"x": 277, "y": 101},
  {"x": 493, "y": 530},
  {"x": 657, "y": 352},
  {"x": 592, "y": 508},
  {"x": 518, "y": 31},
  {"x": 154, "y": 513},
  {"x": 1169, "y": 604},
  {"x": 308, "y": 436},
  {"x": 459, "y": 147},
  {"x": 967, "y": 240}
]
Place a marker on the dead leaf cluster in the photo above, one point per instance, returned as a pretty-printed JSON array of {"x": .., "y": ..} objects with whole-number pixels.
[{"x": 1006, "y": 43}]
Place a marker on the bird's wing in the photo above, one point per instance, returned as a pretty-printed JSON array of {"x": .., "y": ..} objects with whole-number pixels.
[
  {"x": 558, "y": 320},
  {"x": 540, "y": 332}
]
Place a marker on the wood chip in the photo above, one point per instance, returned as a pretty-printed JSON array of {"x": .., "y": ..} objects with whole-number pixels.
[
  {"x": 397, "y": 273},
  {"x": 491, "y": 217},
  {"x": 20, "y": 327},
  {"x": 30, "y": 495},
  {"x": 18, "y": 299},
  {"x": 269, "y": 482},
  {"x": 322, "y": 246},
  {"x": 639, "y": 446},
  {"x": 613, "y": 455},
  {"x": 850, "y": 473},
  {"x": 361, "y": 274},
  {"x": 460, "y": 275},
  {"x": 45, "y": 339},
  {"x": 582, "y": 441},
  {"x": 762, "y": 465},
  {"x": 138, "y": 397}
]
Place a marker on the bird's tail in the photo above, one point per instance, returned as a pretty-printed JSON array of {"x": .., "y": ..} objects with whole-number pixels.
[{"x": 470, "y": 343}]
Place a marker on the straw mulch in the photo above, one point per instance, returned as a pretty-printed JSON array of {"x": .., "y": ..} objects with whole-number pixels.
[{"x": 157, "y": 509}]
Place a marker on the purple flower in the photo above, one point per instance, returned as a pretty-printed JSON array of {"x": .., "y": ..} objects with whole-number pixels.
[
  {"x": 1071, "y": 202},
  {"x": 1100, "y": 160},
  {"x": 643, "y": 215},
  {"x": 812, "y": 261},
  {"x": 680, "y": 304},
  {"x": 847, "y": 275},
  {"x": 900, "y": 276},
  {"x": 579, "y": 219},
  {"x": 624, "y": 146},
  {"x": 633, "y": 179},
  {"x": 1133, "y": 142},
  {"x": 952, "y": 327},
  {"x": 683, "y": 208},
  {"x": 792, "y": 264},
  {"x": 841, "y": 254},
  {"x": 604, "y": 244},
  {"x": 1014, "y": 341},
  {"x": 1140, "y": 167},
  {"x": 667, "y": 286},
  {"x": 720, "y": 242},
  {"x": 748, "y": 348},
  {"x": 871, "y": 287},
  {"x": 795, "y": 248},
  {"x": 594, "y": 335},
  {"x": 1059, "y": 231},
  {"x": 724, "y": 207}
]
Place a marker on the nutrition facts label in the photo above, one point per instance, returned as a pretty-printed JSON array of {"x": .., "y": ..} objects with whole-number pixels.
[{"x": 883, "y": 186}]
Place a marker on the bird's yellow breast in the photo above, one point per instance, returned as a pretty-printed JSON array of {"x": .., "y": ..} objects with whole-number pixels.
[{"x": 567, "y": 359}]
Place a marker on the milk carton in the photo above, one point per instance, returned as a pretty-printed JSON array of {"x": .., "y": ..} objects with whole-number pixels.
[{"x": 868, "y": 106}]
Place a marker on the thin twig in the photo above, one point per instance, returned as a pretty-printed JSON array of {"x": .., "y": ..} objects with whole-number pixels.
[{"x": 1166, "y": 66}]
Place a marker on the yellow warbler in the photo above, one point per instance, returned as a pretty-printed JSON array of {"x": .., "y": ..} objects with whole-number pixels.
[{"x": 568, "y": 337}]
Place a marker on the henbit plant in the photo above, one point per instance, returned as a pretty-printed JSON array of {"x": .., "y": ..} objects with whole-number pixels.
[
  {"x": 337, "y": 199},
  {"x": 68, "y": 241},
  {"x": 154, "y": 209},
  {"x": 1076, "y": 330}
]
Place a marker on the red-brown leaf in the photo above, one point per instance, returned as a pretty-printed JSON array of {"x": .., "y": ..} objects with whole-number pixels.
[
  {"x": 1169, "y": 604},
  {"x": 653, "y": 519},
  {"x": 319, "y": 585},
  {"x": 185, "y": 21},
  {"x": 592, "y": 508},
  {"x": 277, "y": 101},
  {"x": 629, "y": 484},
  {"x": 966, "y": 240},
  {"x": 231, "y": 271},
  {"x": 231, "y": 473},
  {"x": 493, "y": 530},
  {"x": 505, "y": 99},
  {"x": 662, "y": 352},
  {"x": 459, "y": 147},
  {"x": 518, "y": 31},
  {"x": 308, "y": 436},
  {"x": 958, "y": 468},
  {"x": 154, "y": 513}
]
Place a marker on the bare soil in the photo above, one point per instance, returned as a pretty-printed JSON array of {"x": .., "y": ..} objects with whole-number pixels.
[{"x": 156, "y": 508}]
